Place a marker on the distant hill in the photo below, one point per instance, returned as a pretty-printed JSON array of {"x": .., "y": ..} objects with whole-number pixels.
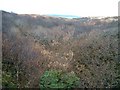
[
  {"x": 64, "y": 16},
  {"x": 62, "y": 27}
]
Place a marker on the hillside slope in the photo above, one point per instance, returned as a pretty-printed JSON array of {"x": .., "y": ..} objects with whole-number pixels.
[{"x": 33, "y": 44}]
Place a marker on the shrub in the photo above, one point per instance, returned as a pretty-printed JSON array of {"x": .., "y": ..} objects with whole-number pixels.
[
  {"x": 8, "y": 81},
  {"x": 58, "y": 79}
]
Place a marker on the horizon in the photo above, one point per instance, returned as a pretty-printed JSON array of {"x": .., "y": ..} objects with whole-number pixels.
[
  {"x": 80, "y": 8},
  {"x": 60, "y": 15}
]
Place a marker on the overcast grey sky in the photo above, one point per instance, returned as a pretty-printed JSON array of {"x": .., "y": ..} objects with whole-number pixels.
[{"x": 62, "y": 7}]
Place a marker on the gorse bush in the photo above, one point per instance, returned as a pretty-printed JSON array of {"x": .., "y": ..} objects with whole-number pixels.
[{"x": 58, "y": 79}]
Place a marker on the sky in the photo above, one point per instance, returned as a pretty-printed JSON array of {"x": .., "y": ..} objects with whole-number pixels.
[{"x": 81, "y": 8}]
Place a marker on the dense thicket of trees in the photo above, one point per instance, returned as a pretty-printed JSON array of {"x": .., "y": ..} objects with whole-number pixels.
[{"x": 33, "y": 46}]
